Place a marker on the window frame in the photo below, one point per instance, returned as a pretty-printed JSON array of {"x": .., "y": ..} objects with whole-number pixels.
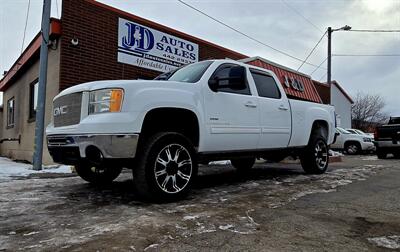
[
  {"x": 8, "y": 123},
  {"x": 256, "y": 71},
  {"x": 231, "y": 91},
  {"x": 32, "y": 111}
]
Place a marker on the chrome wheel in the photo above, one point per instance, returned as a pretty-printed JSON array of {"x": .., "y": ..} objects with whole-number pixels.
[
  {"x": 321, "y": 155},
  {"x": 173, "y": 168},
  {"x": 352, "y": 149}
]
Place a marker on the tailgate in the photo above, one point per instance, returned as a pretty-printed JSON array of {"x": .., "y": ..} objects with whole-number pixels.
[{"x": 389, "y": 132}]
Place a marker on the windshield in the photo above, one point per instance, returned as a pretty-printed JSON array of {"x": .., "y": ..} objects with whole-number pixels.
[
  {"x": 343, "y": 131},
  {"x": 360, "y": 132},
  {"x": 190, "y": 73}
]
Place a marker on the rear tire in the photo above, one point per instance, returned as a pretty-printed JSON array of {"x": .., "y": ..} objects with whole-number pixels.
[
  {"x": 166, "y": 168},
  {"x": 396, "y": 154},
  {"x": 315, "y": 158},
  {"x": 97, "y": 174},
  {"x": 243, "y": 164}
]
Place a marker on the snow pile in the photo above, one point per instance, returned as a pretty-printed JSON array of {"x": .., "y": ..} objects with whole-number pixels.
[
  {"x": 221, "y": 162},
  {"x": 9, "y": 169},
  {"x": 335, "y": 153},
  {"x": 391, "y": 242}
]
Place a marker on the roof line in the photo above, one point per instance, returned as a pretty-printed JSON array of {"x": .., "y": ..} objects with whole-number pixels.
[
  {"x": 157, "y": 25},
  {"x": 274, "y": 64}
]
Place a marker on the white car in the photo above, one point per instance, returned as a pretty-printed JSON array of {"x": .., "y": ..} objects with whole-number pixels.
[
  {"x": 360, "y": 132},
  {"x": 161, "y": 129},
  {"x": 352, "y": 143}
]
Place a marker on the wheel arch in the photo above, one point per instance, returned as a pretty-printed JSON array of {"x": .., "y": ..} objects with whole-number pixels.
[{"x": 175, "y": 119}]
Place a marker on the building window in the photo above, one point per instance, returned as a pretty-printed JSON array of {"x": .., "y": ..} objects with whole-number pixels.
[
  {"x": 33, "y": 99},
  {"x": 10, "y": 112}
]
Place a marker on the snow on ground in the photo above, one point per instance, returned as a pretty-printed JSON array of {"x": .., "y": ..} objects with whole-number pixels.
[
  {"x": 391, "y": 242},
  {"x": 10, "y": 169}
]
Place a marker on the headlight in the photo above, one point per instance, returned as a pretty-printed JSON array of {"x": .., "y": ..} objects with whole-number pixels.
[
  {"x": 367, "y": 139},
  {"x": 105, "y": 100}
]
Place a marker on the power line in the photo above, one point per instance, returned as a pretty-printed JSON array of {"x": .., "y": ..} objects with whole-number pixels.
[
  {"x": 26, "y": 24},
  {"x": 308, "y": 56},
  {"x": 319, "y": 66},
  {"x": 244, "y": 34},
  {"x": 355, "y": 30},
  {"x": 301, "y": 15},
  {"x": 366, "y": 55},
  {"x": 323, "y": 76}
]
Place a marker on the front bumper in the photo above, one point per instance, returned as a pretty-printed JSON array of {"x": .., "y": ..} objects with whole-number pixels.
[
  {"x": 368, "y": 146},
  {"x": 69, "y": 149}
]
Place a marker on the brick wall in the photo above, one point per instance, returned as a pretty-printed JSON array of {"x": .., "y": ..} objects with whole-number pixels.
[{"x": 95, "y": 58}]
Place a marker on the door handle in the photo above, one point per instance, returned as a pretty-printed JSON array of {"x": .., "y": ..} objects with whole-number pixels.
[
  {"x": 250, "y": 105},
  {"x": 282, "y": 107}
]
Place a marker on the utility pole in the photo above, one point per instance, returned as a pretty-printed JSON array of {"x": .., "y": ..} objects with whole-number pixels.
[
  {"x": 329, "y": 55},
  {"x": 40, "y": 109}
]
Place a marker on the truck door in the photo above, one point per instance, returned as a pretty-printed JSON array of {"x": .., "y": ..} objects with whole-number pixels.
[
  {"x": 275, "y": 117},
  {"x": 231, "y": 114}
]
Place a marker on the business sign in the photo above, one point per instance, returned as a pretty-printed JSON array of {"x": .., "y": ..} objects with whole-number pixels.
[
  {"x": 145, "y": 47},
  {"x": 294, "y": 83}
]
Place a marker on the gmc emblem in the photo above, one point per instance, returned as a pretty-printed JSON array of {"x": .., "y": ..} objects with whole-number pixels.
[{"x": 60, "y": 110}]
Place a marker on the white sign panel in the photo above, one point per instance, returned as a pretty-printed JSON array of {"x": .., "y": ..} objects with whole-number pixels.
[{"x": 142, "y": 46}]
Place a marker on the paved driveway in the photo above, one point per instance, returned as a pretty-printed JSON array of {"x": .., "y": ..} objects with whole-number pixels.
[{"x": 353, "y": 207}]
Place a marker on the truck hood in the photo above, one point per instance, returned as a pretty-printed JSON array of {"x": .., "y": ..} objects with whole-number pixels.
[{"x": 94, "y": 85}]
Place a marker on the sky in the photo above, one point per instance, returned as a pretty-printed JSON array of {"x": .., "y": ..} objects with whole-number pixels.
[{"x": 293, "y": 26}]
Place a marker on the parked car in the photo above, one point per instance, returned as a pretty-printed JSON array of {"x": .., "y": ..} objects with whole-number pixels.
[
  {"x": 387, "y": 138},
  {"x": 161, "y": 129},
  {"x": 352, "y": 143},
  {"x": 360, "y": 132}
]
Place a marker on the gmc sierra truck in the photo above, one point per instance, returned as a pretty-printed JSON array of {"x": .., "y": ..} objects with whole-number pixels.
[
  {"x": 387, "y": 138},
  {"x": 161, "y": 129}
]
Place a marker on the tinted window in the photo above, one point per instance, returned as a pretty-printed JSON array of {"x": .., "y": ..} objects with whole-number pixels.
[
  {"x": 394, "y": 120},
  {"x": 223, "y": 72},
  {"x": 266, "y": 85},
  {"x": 190, "y": 73}
]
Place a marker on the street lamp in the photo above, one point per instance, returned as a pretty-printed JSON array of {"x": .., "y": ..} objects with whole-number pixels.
[{"x": 330, "y": 30}]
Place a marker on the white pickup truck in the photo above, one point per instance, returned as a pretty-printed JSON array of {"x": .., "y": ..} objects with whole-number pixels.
[{"x": 161, "y": 129}]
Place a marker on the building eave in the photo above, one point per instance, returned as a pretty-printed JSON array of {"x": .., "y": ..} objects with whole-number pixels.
[
  {"x": 30, "y": 53},
  {"x": 274, "y": 64}
]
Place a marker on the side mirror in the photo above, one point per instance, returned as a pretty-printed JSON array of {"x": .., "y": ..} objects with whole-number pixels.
[{"x": 236, "y": 80}]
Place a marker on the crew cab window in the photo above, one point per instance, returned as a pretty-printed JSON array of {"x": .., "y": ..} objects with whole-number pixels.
[
  {"x": 191, "y": 73},
  {"x": 223, "y": 72},
  {"x": 266, "y": 85}
]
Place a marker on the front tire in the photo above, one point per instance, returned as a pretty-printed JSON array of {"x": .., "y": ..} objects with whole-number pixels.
[
  {"x": 353, "y": 148},
  {"x": 315, "y": 158},
  {"x": 166, "y": 168},
  {"x": 97, "y": 174},
  {"x": 243, "y": 164}
]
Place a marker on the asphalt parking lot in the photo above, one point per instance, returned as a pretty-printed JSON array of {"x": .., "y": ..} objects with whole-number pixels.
[{"x": 355, "y": 206}]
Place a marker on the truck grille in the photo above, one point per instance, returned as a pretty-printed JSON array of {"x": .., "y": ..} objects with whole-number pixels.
[{"x": 67, "y": 110}]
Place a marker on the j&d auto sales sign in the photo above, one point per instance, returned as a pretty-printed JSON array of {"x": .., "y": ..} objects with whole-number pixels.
[{"x": 148, "y": 48}]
